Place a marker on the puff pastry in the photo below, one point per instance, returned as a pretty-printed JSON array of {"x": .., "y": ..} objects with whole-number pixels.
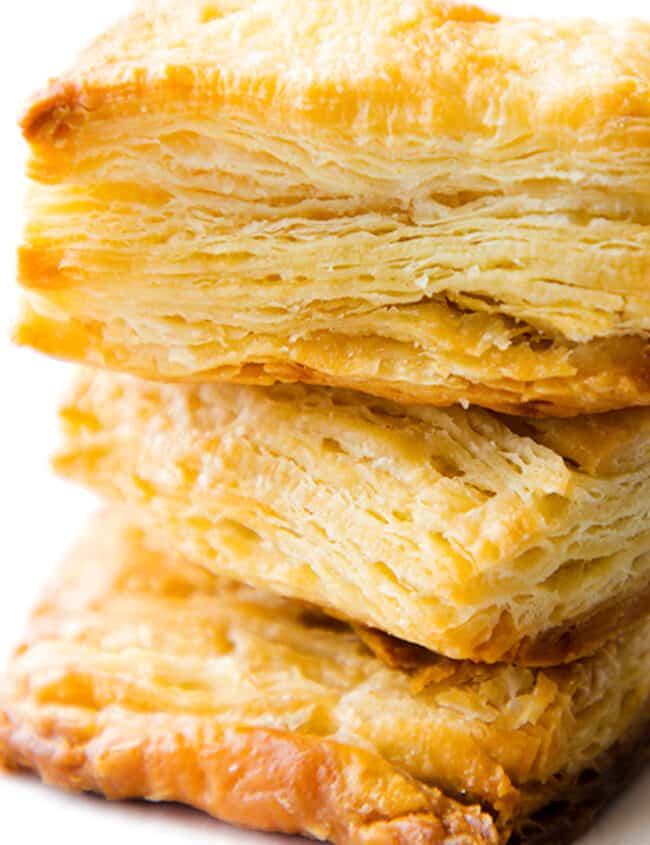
[
  {"x": 477, "y": 536},
  {"x": 422, "y": 201},
  {"x": 141, "y": 677}
]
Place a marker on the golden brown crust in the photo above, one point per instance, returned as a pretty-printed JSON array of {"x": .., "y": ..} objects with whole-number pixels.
[
  {"x": 261, "y": 779},
  {"x": 441, "y": 65},
  {"x": 311, "y": 784},
  {"x": 143, "y": 678},
  {"x": 515, "y": 547}
]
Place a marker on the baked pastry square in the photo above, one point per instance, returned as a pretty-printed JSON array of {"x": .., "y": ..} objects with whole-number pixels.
[
  {"x": 143, "y": 678},
  {"x": 421, "y": 201},
  {"x": 477, "y": 536}
]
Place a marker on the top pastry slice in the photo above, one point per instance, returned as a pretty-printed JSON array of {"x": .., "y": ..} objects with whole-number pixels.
[{"x": 419, "y": 200}]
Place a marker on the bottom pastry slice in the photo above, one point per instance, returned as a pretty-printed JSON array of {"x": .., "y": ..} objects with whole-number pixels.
[{"x": 141, "y": 677}]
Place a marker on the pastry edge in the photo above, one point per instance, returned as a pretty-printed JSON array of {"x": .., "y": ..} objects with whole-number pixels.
[
  {"x": 576, "y": 638},
  {"x": 253, "y": 777},
  {"x": 74, "y": 341},
  {"x": 278, "y": 781}
]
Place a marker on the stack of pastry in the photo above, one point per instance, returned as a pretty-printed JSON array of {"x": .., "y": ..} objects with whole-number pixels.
[{"x": 361, "y": 287}]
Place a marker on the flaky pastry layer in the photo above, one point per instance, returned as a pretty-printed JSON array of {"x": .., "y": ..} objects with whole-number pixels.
[
  {"x": 424, "y": 202},
  {"x": 477, "y": 536},
  {"x": 142, "y": 677}
]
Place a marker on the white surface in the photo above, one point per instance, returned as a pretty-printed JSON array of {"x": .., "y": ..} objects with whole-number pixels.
[{"x": 40, "y": 514}]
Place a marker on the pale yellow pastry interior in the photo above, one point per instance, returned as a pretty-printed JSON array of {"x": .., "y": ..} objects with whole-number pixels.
[{"x": 474, "y": 535}]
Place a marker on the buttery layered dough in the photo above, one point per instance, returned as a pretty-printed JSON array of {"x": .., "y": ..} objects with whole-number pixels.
[
  {"x": 142, "y": 677},
  {"x": 475, "y": 535},
  {"x": 421, "y": 201}
]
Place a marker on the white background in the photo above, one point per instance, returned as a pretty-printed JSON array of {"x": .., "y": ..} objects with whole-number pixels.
[{"x": 40, "y": 514}]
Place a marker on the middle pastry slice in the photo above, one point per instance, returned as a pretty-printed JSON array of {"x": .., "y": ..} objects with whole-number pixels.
[{"x": 472, "y": 534}]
